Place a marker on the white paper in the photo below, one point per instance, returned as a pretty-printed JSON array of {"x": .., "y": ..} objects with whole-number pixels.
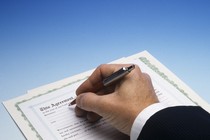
[
  {"x": 44, "y": 113},
  {"x": 53, "y": 119}
]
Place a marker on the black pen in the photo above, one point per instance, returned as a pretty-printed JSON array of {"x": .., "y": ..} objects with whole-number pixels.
[{"x": 113, "y": 77}]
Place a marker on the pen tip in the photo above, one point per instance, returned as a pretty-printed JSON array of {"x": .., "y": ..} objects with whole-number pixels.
[{"x": 72, "y": 102}]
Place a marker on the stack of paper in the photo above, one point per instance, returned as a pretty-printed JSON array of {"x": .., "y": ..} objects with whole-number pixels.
[{"x": 43, "y": 113}]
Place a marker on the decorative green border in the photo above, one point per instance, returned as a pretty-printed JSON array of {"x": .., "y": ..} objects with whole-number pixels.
[
  {"x": 24, "y": 116},
  {"x": 165, "y": 77},
  {"x": 143, "y": 59}
]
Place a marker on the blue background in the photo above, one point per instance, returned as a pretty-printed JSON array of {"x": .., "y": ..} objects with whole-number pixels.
[{"x": 42, "y": 41}]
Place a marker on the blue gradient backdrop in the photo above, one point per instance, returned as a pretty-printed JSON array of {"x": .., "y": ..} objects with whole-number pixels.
[{"x": 42, "y": 41}]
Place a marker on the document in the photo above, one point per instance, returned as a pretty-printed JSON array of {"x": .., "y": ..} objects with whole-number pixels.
[
  {"x": 44, "y": 113},
  {"x": 52, "y": 118}
]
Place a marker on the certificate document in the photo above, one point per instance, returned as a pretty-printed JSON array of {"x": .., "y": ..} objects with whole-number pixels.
[
  {"x": 51, "y": 117},
  {"x": 44, "y": 113}
]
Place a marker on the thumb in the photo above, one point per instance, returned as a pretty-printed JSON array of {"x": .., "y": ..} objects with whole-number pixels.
[{"x": 90, "y": 102}]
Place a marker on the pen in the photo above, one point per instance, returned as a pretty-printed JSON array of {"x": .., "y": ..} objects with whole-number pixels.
[{"x": 113, "y": 78}]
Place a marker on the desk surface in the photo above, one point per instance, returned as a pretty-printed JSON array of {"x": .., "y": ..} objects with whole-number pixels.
[{"x": 42, "y": 42}]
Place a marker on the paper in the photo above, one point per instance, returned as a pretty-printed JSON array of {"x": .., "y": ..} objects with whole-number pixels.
[
  {"x": 53, "y": 119},
  {"x": 44, "y": 113}
]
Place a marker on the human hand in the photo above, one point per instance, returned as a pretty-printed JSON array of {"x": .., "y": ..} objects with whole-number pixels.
[{"x": 120, "y": 103}]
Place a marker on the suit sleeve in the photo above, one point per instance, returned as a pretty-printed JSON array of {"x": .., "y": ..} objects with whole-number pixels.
[{"x": 181, "y": 122}]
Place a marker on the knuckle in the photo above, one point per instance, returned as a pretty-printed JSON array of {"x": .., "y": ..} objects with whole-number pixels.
[{"x": 101, "y": 66}]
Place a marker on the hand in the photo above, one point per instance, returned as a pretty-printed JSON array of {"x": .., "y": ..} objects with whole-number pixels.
[{"x": 120, "y": 103}]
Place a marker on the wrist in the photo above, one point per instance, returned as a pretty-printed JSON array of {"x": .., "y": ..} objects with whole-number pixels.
[{"x": 142, "y": 118}]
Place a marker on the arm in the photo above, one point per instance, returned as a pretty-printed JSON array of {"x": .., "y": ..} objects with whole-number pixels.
[{"x": 180, "y": 122}]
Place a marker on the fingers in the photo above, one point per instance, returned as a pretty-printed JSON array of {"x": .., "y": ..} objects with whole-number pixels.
[
  {"x": 94, "y": 82},
  {"x": 91, "y": 116},
  {"x": 80, "y": 112},
  {"x": 88, "y": 101},
  {"x": 89, "y": 105}
]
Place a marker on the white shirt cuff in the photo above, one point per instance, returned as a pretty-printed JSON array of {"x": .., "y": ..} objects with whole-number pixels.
[{"x": 141, "y": 119}]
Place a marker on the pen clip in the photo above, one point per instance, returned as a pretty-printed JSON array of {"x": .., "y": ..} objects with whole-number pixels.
[{"x": 118, "y": 75}]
